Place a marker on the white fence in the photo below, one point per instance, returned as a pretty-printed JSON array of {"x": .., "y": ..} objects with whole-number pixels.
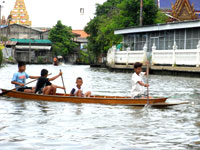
[
  {"x": 125, "y": 57},
  {"x": 176, "y": 56},
  {"x": 186, "y": 57}
]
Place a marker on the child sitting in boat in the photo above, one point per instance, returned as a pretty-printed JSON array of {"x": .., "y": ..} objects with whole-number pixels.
[
  {"x": 137, "y": 81},
  {"x": 45, "y": 86},
  {"x": 78, "y": 90},
  {"x": 19, "y": 79}
]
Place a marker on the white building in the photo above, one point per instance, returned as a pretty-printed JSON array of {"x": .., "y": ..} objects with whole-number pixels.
[{"x": 176, "y": 43}]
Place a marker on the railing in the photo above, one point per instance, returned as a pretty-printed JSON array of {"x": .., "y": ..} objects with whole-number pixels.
[
  {"x": 125, "y": 57},
  {"x": 187, "y": 57},
  {"x": 176, "y": 56}
]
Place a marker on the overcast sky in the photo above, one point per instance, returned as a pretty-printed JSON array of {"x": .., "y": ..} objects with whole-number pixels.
[{"x": 45, "y": 13}]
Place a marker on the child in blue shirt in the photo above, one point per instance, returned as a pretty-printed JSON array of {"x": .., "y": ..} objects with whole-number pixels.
[{"x": 19, "y": 79}]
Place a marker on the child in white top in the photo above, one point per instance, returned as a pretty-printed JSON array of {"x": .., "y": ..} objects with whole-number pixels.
[
  {"x": 78, "y": 90},
  {"x": 137, "y": 81}
]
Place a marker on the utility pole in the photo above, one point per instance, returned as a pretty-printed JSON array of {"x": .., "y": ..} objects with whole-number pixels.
[
  {"x": 29, "y": 45},
  {"x": 141, "y": 12}
]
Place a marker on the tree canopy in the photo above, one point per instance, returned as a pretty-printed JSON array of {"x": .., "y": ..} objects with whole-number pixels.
[
  {"x": 62, "y": 38},
  {"x": 115, "y": 14}
]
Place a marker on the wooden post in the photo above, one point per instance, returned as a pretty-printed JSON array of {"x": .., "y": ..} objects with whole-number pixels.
[{"x": 29, "y": 46}]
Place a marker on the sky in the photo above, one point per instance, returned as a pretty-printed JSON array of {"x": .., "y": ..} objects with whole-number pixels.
[{"x": 46, "y": 13}]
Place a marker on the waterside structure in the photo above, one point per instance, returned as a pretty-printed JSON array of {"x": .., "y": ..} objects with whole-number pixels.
[{"x": 172, "y": 44}]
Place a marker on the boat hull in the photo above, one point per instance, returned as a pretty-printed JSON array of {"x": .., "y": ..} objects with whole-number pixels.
[{"x": 109, "y": 100}]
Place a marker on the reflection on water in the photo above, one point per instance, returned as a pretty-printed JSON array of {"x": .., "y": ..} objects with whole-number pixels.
[{"x": 49, "y": 125}]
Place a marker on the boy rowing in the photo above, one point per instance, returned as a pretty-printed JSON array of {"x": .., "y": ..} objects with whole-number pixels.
[
  {"x": 137, "y": 81},
  {"x": 19, "y": 79},
  {"x": 44, "y": 86}
]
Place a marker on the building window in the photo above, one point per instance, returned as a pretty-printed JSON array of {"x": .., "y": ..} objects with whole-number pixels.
[
  {"x": 134, "y": 41},
  {"x": 180, "y": 38},
  {"x": 82, "y": 11},
  {"x": 169, "y": 40}
]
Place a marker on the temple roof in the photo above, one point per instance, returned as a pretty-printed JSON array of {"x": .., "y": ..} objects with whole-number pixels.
[{"x": 166, "y": 4}]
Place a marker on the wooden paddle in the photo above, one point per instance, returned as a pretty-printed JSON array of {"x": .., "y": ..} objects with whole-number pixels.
[
  {"x": 24, "y": 85},
  {"x": 147, "y": 71},
  {"x": 63, "y": 82}
]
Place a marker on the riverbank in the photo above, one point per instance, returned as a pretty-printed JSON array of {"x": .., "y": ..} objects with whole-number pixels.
[
  {"x": 175, "y": 71},
  {"x": 161, "y": 70}
]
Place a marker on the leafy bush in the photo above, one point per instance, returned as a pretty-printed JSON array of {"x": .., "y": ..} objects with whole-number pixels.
[
  {"x": 40, "y": 60},
  {"x": 10, "y": 58},
  {"x": 83, "y": 57}
]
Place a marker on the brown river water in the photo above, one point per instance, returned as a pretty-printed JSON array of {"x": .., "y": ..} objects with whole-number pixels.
[{"x": 31, "y": 125}]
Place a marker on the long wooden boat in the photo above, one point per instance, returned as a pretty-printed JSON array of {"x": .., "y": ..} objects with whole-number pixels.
[{"x": 110, "y": 100}]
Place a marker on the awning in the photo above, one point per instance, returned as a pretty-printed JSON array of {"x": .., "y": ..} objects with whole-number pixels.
[
  {"x": 33, "y": 47},
  {"x": 39, "y": 41}
]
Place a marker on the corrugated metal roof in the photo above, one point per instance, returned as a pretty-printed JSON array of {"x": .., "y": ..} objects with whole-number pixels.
[
  {"x": 5, "y": 26},
  {"x": 32, "y": 41},
  {"x": 160, "y": 27}
]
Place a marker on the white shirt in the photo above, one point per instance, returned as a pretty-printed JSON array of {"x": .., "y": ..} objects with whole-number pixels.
[
  {"x": 137, "y": 89},
  {"x": 75, "y": 90}
]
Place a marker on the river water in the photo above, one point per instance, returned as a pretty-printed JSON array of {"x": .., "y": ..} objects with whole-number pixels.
[{"x": 30, "y": 125}]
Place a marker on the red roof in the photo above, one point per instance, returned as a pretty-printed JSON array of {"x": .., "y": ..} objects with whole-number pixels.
[{"x": 81, "y": 32}]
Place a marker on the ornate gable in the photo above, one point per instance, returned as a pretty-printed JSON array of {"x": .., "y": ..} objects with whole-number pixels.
[
  {"x": 19, "y": 14},
  {"x": 183, "y": 10}
]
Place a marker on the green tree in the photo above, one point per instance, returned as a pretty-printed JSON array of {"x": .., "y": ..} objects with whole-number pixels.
[
  {"x": 161, "y": 17},
  {"x": 62, "y": 39},
  {"x": 115, "y": 14},
  {"x": 101, "y": 29}
]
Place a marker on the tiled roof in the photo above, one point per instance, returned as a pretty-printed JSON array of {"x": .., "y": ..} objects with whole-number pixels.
[
  {"x": 81, "y": 32},
  {"x": 166, "y": 4}
]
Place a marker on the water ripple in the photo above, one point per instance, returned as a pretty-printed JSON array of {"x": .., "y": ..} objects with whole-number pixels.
[{"x": 30, "y": 125}]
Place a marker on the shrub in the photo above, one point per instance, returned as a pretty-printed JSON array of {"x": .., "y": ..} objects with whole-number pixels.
[{"x": 40, "y": 60}]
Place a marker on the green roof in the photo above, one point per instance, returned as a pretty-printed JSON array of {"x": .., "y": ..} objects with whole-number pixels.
[{"x": 31, "y": 41}]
